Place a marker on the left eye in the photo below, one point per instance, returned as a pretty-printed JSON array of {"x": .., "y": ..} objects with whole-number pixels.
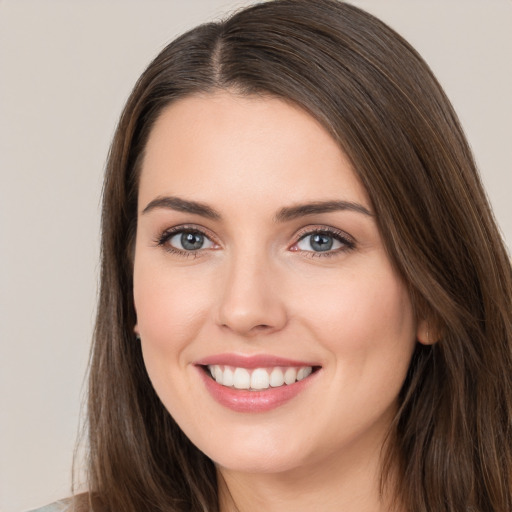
[
  {"x": 319, "y": 242},
  {"x": 190, "y": 241}
]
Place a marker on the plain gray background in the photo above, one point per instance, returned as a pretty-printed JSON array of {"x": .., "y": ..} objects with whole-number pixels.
[{"x": 66, "y": 68}]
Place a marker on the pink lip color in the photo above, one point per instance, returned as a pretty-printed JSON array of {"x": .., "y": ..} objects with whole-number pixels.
[
  {"x": 251, "y": 362},
  {"x": 240, "y": 400}
]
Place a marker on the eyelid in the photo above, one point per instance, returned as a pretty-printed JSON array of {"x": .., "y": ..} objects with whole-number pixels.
[
  {"x": 340, "y": 235},
  {"x": 347, "y": 240},
  {"x": 164, "y": 236}
]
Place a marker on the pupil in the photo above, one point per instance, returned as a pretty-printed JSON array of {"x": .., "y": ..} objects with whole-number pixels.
[
  {"x": 321, "y": 242},
  {"x": 192, "y": 241}
]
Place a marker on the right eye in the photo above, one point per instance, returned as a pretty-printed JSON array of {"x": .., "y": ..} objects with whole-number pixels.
[{"x": 188, "y": 241}]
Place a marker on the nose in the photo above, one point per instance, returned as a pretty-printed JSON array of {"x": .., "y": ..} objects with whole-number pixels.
[{"x": 252, "y": 300}]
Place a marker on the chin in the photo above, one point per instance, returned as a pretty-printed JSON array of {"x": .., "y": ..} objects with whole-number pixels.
[
  {"x": 260, "y": 463},
  {"x": 259, "y": 453}
]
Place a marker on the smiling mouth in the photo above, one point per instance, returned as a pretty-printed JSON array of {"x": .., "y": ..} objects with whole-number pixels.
[{"x": 257, "y": 379}]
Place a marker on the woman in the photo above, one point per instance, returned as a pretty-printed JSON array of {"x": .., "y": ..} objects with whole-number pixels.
[{"x": 305, "y": 302}]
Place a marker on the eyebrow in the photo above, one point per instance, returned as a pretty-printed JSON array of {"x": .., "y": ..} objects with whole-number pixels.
[
  {"x": 283, "y": 215},
  {"x": 293, "y": 212},
  {"x": 182, "y": 205}
]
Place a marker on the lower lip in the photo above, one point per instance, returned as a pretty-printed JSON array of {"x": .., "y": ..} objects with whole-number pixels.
[{"x": 241, "y": 400}]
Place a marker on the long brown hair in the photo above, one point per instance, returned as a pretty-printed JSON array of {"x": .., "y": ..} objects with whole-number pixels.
[{"x": 451, "y": 439}]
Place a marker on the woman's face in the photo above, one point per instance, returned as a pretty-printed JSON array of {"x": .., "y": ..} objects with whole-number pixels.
[{"x": 258, "y": 260}]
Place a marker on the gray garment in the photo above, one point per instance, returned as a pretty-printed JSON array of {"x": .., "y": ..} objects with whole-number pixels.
[{"x": 58, "y": 506}]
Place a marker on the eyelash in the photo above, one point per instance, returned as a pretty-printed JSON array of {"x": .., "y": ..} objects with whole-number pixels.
[
  {"x": 347, "y": 242},
  {"x": 163, "y": 238}
]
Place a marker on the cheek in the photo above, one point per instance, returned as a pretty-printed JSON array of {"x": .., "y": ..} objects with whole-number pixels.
[
  {"x": 171, "y": 304},
  {"x": 364, "y": 312}
]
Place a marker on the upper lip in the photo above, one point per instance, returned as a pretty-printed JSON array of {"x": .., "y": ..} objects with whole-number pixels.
[{"x": 251, "y": 361}]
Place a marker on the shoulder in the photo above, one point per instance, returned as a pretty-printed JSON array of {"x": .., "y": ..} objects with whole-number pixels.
[
  {"x": 84, "y": 502},
  {"x": 58, "y": 506}
]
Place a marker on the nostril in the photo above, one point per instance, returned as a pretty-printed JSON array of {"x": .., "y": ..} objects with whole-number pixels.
[
  {"x": 250, "y": 332},
  {"x": 261, "y": 327}
]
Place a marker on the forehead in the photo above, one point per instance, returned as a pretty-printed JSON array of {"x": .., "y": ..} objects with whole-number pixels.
[{"x": 223, "y": 145}]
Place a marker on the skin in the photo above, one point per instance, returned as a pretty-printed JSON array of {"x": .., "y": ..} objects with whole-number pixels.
[{"x": 256, "y": 289}]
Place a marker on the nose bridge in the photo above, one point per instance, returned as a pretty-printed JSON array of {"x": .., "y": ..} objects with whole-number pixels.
[{"x": 250, "y": 300}]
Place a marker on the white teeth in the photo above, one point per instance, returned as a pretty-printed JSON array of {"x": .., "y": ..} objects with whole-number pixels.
[
  {"x": 290, "y": 375},
  {"x": 241, "y": 379},
  {"x": 259, "y": 378},
  {"x": 276, "y": 378},
  {"x": 304, "y": 372},
  {"x": 228, "y": 377}
]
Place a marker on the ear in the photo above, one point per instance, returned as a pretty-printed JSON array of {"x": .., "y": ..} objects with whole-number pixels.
[
  {"x": 136, "y": 331},
  {"x": 426, "y": 333}
]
